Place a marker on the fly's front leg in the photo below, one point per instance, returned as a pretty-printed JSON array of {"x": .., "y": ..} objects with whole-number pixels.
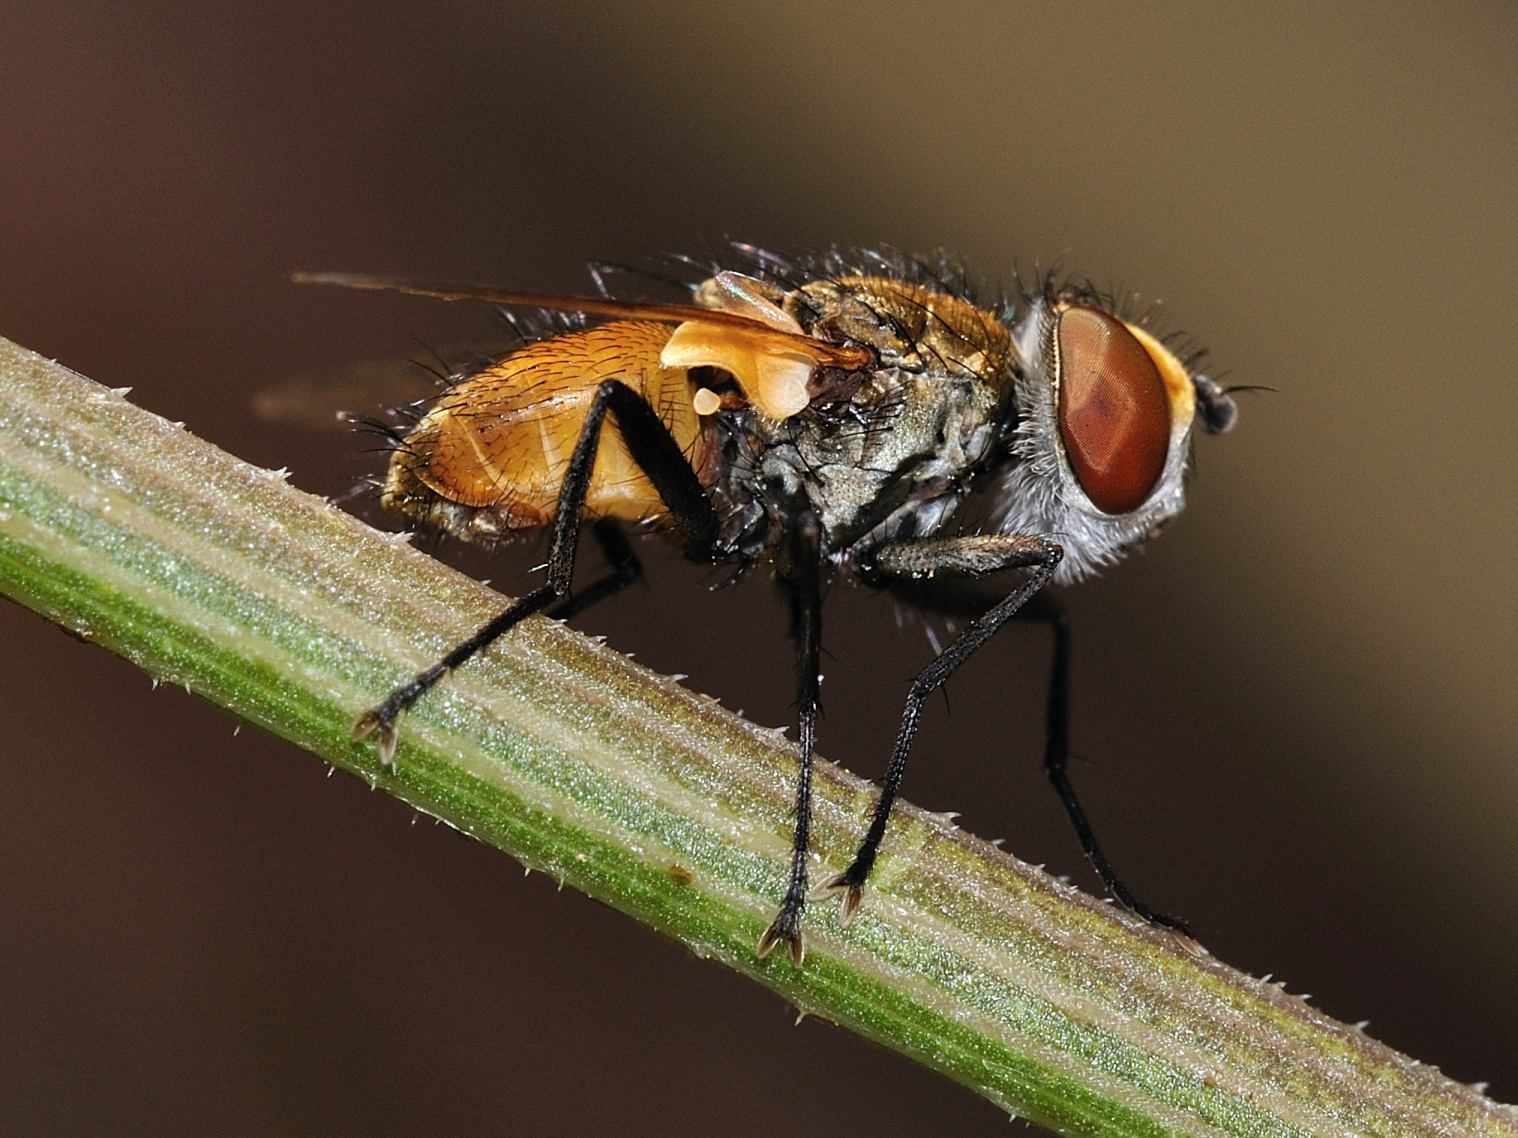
[
  {"x": 1046, "y": 610},
  {"x": 656, "y": 452},
  {"x": 964, "y": 557},
  {"x": 800, "y": 573}
]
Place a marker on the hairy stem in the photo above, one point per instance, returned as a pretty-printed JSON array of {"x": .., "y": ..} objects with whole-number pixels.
[{"x": 207, "y": 572}]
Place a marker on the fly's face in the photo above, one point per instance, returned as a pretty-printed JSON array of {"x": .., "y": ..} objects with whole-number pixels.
[{"x": 1105, "y": 413}]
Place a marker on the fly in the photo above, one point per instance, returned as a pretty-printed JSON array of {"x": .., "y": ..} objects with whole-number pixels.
[{"x": 830, "y": 417}]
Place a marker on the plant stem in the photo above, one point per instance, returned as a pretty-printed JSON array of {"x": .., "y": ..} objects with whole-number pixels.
[{"x": 210, "y": 573}]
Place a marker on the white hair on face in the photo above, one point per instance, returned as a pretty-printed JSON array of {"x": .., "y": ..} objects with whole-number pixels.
[{"x": 1040, "y": 494}]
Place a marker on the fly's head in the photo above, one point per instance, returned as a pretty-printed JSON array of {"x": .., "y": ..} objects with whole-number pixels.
[{"x": 1104, "y": 414}]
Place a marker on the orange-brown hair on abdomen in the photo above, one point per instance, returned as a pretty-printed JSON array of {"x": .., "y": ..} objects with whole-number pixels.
[{"x": 500, "y": 440}]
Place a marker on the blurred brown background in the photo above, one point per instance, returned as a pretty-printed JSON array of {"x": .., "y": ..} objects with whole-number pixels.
[{"x": 1298, "y": 706}]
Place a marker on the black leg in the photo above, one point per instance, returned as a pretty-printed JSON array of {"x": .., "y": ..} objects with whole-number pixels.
[
  {"x": 800, "y": 573},
  {"x": 1047, "y": 610},
  {"x": 923, "y": 560},
  {"x": 623, "y": 569},
  {"x": 656, "y": 452}
]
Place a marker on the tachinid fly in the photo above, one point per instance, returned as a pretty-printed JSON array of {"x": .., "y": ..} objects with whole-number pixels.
[{"x": 830, "y": 417}]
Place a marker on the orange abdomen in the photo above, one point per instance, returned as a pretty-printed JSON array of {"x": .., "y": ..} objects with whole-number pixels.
[{"x": 502, "y": 438}]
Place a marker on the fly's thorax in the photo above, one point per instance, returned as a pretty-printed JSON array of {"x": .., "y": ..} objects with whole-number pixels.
[
  {"x": 1104, "y": 415},
  {"x": 892, "y": 461},
  {"x": 887, "y": 452},
  {"x": 908, "y": 325}
]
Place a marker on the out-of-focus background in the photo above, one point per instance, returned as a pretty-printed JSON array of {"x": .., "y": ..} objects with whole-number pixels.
[{"x": 1297, "y": 709}]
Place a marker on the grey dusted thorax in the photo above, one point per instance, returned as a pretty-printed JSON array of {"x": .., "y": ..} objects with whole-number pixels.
[{"x": 891, "y": 462}]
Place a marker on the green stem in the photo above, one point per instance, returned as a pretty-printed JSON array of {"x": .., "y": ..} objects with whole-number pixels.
[{"x": 209, "y": 573}]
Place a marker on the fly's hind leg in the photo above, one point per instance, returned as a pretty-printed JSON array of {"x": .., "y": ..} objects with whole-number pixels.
[
  {"x": 922, "y": 561},
  {"x": 622, "y": 569},
  {"x": 656, "y": 453}
]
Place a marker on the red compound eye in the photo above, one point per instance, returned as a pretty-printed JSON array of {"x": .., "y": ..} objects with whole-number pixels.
[{"x": 1114, "y": 414}]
